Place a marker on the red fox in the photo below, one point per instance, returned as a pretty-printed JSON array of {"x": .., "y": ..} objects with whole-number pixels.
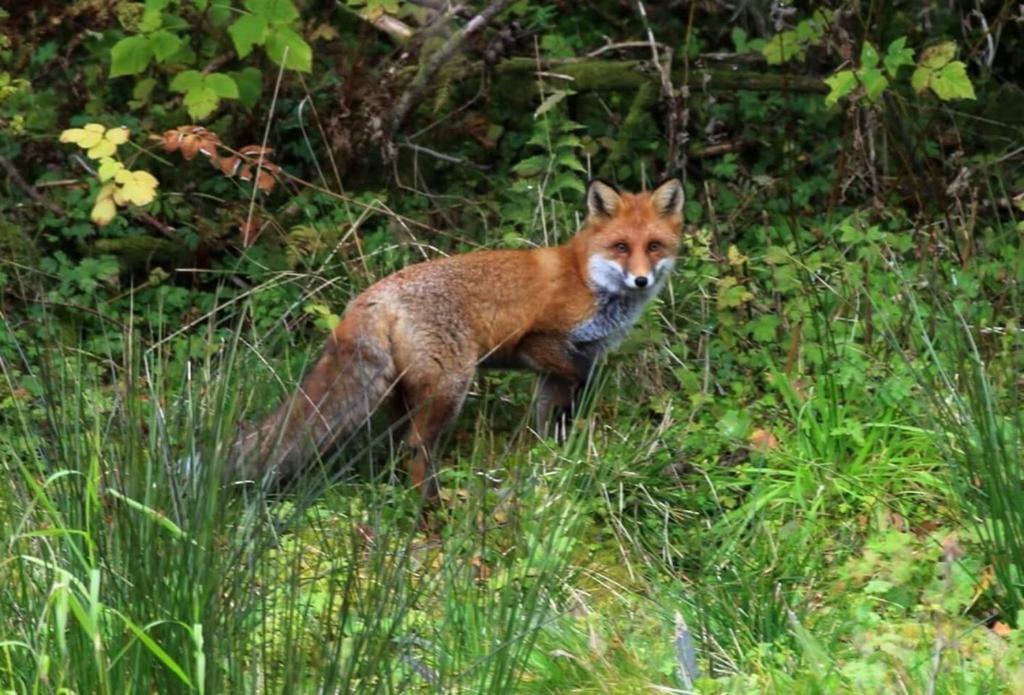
[{"x": 415, "y": 338}]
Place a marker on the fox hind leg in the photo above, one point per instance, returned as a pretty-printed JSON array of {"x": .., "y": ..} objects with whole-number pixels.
[{"x": 430, "y": 411}]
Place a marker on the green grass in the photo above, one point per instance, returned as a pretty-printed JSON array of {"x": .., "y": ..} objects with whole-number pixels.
[{"x": 657, "y": 548}]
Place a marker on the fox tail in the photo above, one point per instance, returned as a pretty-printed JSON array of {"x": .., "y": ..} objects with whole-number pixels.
[{"x": 352, "y": 377}]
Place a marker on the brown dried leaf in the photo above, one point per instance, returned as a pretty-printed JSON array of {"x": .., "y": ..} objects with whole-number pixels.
[
  {"x": 255, "y": 151},
  {"x": 190, "y": 147},
  {"x": 265, "y": 181},
  {"x": 763, "y": 441},
  {"x": 172, "y": 140},
  {"x": 250, "y": 230},
  {"x": 951, "y": 550},
  {"x": 209, "y": 148},
  {"x": 1002, "y": 629},
  {"x": 229, "y": 165},
  {"x": 481, "y": 570},
  {"x": 925, "y": 527}
]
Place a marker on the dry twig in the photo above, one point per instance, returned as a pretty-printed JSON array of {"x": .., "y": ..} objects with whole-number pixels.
[
  {"x": 18, "y": 180},
  {"x": 439, "y": 58}
]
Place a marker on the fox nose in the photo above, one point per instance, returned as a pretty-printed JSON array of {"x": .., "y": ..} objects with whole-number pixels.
[{"x": 641, "y": 281}]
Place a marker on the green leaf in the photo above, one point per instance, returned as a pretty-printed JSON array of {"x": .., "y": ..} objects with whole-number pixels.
[
  {"x": 287, "y": 48},
  {"x": 220, "y": 14},
  {"x": 569, "y": 182},
  {"x": 763, "y": 328},
  {"x": 727, "y": 168},
  {"x": 143, "y": 88},
  {"x": 203, "y": 92},
  {"x": 874, "y": 82},
  {"x": 550, "y": 102},
  {"x": 939, "y": 72},
  {"x": 952, "y": 82},
  {"x": 250, "y": 85},
  {"x": 273, "y": 11},
  {"x": 692, "y": 211},
  {"x": 531, "y": 166},
  {"x": 187, "y": 81},
  {"x": 130, "y": 56},
  {"x": 776, "y": 255},
  {"x": 570, "y": 161},
  {"x": 920, "y": 79},
  {"x": 164, "y": 44},
  {"x": 140, "y": 93},
  {"x": 201, "y": 102},
  {"x": 248, "y": 31},
  {"x": 781, "y": 48},
  {"x": 731, "y": 294},
  {"x": 734, "y": 424},
  {"x": 868, "y": 56},
  {"x": 739, "y": 39},
  {"x": 839, "y": 85},
  {"x": 897, "y": 55},
  {"x": 222, "y": 85},
  {"x": 151, "y": 21}
]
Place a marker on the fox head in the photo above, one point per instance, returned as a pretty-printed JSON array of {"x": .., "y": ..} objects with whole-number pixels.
[{"x": 631, "y": 239}]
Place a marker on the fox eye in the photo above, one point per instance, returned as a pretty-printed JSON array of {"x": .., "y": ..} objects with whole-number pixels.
[
  {"x": 654, "y": 246},
  {"x": 621, "y": 247}
]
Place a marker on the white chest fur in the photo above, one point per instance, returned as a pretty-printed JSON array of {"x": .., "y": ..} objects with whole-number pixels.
[
  {"x": 617, "y": 303},
  {"x": 615, "y": 315}
]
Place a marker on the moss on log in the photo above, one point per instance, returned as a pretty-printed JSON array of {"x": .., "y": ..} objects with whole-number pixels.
[
  {"x": 135, "y": 253},
  {"x": 608, "y": 75}
]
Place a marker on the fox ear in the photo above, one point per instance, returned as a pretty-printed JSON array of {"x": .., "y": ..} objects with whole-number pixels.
[
  {"x": 668, "y": 198},
  {"x": 602, "y": 199}
]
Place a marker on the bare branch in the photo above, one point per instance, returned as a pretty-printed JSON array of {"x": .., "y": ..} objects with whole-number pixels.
[
  {"x": 394, "y": 27},
  {"x": 439, "y": 58},
  {"x": 16, "y": 178}
]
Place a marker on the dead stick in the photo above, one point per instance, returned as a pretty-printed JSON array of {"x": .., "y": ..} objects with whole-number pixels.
[
  {"x": 16, "y": 178},
  {"x": 439, "y": 58}
]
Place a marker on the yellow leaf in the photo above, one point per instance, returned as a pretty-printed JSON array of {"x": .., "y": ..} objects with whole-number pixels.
[
  {"x": 83, "y": 137},
  {"x": 117, "y": 136},
  {"x": 144, "y": 178},
  {"x": 735, "y": 257},
  {"x": 109, "y": 168},
  {"x": 137, "y": 188},
  {"x": 102, "y": 148},
  {"x": 141, "y": 195},
  {"x": 103, "y": 212},
  {"x": 93, "y": 137},
  {"x": 144, "y": 196}
]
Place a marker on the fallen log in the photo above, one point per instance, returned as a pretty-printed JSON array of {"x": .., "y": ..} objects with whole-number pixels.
[{"x": 610, "y": 75}]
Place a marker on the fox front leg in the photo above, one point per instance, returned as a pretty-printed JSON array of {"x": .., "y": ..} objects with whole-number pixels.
[
  {"x": 556, "y": 406},
  {"x": 564, "y": 372}
]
